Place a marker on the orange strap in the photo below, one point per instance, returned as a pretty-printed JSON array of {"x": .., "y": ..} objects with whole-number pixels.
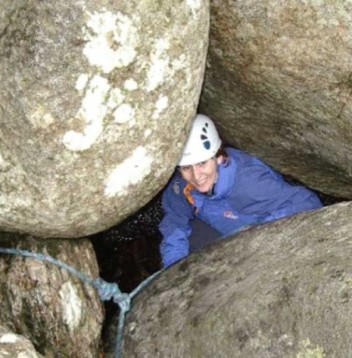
[{"x": 187, "y": 193}]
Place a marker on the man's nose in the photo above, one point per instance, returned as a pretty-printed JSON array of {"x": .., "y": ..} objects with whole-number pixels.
[{"x": 196, "y": 171}]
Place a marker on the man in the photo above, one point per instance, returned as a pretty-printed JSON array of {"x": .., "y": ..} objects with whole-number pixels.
[{"x": 219, "y": 191}]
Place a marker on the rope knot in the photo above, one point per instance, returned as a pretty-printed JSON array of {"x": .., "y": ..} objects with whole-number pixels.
[
  {"x": 108, "y": 291},
  {"x": 123, "y": 300}
]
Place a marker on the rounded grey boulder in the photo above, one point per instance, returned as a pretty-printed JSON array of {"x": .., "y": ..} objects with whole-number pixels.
[
  {"x": 279, "y": 85},
  {"x": 278, "y": 290},
  {"x": 95, "y": 103}
]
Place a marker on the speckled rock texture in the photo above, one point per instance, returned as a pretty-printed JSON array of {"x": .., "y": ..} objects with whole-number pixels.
[
  {"x": 58, "y": 313},
  {"x": 96, "y": 99},
  {"x": 279, "y": 85},
  {"x": 277, "y": 290},
  {"x": 14, "y": 345}
]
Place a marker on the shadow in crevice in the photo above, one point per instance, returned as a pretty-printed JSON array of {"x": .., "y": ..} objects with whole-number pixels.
[{"x": 127, "y": 254}]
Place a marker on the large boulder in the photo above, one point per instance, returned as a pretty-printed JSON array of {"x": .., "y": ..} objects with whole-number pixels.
[
  {"x": 279, "y": 85},
  {"x": 60, "y": 315},
  {"x": 278, "y": 290},
  {"x": 96, "y": 99}
]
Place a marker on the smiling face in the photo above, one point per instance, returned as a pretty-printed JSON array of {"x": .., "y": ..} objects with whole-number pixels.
[{"x": 202, "y": 175}]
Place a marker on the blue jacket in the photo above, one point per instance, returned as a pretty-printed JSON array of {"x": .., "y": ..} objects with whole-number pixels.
[{"x": 247, "y": 192}]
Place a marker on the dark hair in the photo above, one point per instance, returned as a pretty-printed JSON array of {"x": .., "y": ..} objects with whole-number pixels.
[{"x": 222, "y": 151}]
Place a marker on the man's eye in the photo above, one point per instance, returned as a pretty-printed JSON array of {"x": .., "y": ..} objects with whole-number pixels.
[
  {"x": 201, "y": 164},
  {"x": 186, "y": 168}
]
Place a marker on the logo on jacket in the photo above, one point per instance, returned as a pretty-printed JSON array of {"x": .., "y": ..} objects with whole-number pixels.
[
  {"x": 176, "y": 187},
  {"x": 229, "y": 214}
]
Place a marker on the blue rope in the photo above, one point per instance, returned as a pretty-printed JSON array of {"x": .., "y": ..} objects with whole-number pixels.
[{"x": 106, "y": 290}]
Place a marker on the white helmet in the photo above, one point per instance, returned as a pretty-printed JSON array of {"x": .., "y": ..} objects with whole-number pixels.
[{"x": 203, "y": 141}]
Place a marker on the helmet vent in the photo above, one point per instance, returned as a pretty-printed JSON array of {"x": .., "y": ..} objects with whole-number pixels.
[{"x": 204, "y": 138}]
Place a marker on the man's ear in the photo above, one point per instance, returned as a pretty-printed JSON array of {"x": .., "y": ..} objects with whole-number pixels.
[{"x": 220, "y": 159}]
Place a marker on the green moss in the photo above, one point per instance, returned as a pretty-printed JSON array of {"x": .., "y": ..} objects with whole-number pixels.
[{"x": 309, "y": 351}]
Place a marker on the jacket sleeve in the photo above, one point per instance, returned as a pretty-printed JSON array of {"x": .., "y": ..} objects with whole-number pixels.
[
  {"x": 272, "y": 197},
  {"x": 175, "y": 227}
]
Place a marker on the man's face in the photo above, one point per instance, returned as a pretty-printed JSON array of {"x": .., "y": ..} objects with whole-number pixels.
[{"x": 201, "y": 175}]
